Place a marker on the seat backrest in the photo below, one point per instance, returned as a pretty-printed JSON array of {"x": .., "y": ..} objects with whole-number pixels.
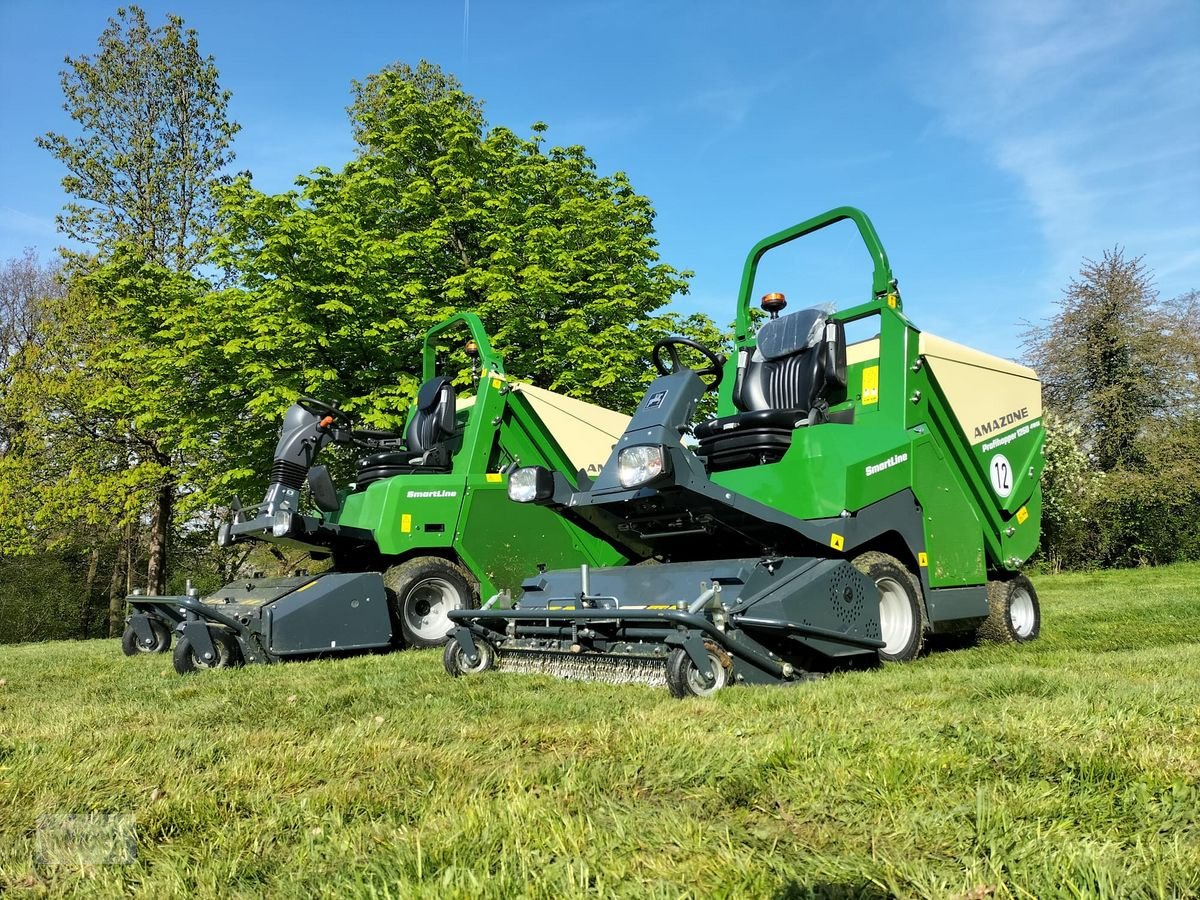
[
  {"x": 433, "y": 422},
  {"x": 797, "y": 358}
]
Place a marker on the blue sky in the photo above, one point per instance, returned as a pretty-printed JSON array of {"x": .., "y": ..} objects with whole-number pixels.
[{"x": 994, "y": 144}]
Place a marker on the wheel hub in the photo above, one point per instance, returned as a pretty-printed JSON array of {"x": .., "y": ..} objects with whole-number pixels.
[
  {"x": 1020, "y": 613},
  {"x": 895, "y": 616},
  {"x": 430, "y": 602}
]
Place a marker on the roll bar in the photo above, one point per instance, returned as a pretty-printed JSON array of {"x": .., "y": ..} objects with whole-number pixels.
[
  {"x": 883, "y": 285},
  {"x": 488, "y": 358}
]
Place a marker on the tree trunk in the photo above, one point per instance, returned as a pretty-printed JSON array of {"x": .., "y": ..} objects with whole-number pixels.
[
  {"x": 131, "y": 557},
  {"x": 116, "y": 597},
  {"x": 160, "y": 531},
  {"x": 85, "y": 616}
]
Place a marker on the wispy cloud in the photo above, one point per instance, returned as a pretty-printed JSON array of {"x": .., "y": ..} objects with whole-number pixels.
[
  {"x": 725, "y": 107},
  {"x": 19, "y": 229},
  {"x": 1094, "y": 107}
]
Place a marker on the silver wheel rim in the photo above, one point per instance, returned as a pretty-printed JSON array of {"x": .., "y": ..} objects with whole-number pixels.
[
  {"x": 156, "y": 644},
  {"x": 1021, "y": 613},
  {"x": 696, "y": 681},
  {"x": 426, "y": 611},
  {"x": 464, "y": 664},
  {"x": 895, "y": 616},
  {"x": 220, "y": 658}
]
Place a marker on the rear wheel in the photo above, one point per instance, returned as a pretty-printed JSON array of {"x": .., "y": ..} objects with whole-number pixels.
[
  {"x": 685, "y": 680},
  {"x": 160, "y": 642},
  {"x": 454, "y": 658},
  {"x": 187, "y": 659},
  {"x": 901, "y": 611},
  {"x": 1014, "y": 614},
  {"x": 423, "y": 591}
]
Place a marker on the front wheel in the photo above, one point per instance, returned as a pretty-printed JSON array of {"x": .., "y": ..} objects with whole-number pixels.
[
  {"x": 159, "y": 642},
  {"x": 423, "y": 591},
  {"x": 187, "y": 659},
  {"x": 1014, "y": 613},
  {"x": 685, "y": 680},
  {"x": 454, "y": 658},
  {"x": 901, "y": 612}
]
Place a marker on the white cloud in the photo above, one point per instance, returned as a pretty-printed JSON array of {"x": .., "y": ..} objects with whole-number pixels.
[
  {"x": 17, "y": 222},
  {"x": 1094, "y": 108}
]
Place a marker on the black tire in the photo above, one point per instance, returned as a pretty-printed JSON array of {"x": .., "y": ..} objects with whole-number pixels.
[
  {"x": 901, "y": 609},
  {"x": 455, "y": 660},
  {"x": 186, "y": 660},
  {"x": 422, "y": 591},
  {"x": 1014, "y": 613},
  {"x": 161, "y": 641},
  {"x": 684, "y": 680}
]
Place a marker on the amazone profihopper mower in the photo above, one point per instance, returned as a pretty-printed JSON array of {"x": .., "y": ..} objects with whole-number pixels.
[
  {"x": 427, "y": 526},
  {"x": 846, "y": 502}
]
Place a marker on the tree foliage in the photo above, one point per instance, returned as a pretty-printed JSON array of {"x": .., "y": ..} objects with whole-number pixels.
[
  {"x": 1118, "y": 366},
  {"x": 436, "y": 214},
  {"x": 1114, "y": 358},
  {"x": 153, "y": 136},
  {"x": 152, "y": 140}
]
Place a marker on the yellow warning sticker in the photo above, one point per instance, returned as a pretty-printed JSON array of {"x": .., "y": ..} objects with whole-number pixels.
[
  {"x": 496, "y": 382},
  {"x": 494, "y": 477},
  {"x": 837, "y": 542},
  {"x": 406, "y": 523},
  {"x": 1022, "y": 515},
  {"x": 892, "y": 300},
  {"x": 870, "y": 385},
  {"x": 923, "y": 560}
]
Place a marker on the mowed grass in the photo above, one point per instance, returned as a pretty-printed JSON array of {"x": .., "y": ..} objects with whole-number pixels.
[{"x": 1068, "y": 767}]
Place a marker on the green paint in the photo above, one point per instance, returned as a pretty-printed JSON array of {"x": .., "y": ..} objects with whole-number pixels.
[
  {"x": 905, "y": 436},
  {"x": 466, "y": 511}
]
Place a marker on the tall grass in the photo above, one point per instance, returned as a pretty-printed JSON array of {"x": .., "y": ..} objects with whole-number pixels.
[{"x": 1069, "y": 767}]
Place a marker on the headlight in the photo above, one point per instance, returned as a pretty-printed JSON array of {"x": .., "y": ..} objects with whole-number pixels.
[
  {"x": 637, "y": 465},
  {"x": 530, "y": 484},
  {"x": 283, "y": 524}
]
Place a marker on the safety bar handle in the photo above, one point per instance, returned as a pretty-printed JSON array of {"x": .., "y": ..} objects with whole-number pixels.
[
  {"x": 488, "y": 358},
  {"x": 882, "y": 282}
]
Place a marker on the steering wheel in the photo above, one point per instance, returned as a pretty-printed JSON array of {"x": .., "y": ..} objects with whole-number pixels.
[
  {"x": 714, "y": 370},
  {"x": 318, "y": 408}
]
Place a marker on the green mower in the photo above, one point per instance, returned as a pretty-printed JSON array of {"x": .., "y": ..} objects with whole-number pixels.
[
  {"x": 426, "y": 528},
  {"x": 847, "y": 502}
]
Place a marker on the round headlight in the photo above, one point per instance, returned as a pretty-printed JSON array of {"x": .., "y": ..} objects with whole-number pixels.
[{"x": 637, "y": 465}]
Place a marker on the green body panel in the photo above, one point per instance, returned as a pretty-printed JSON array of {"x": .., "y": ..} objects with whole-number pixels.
[
  {"x": 904, "y": 436},
  {"x": 953, "y": 532},
  {"x": 466, "y": 511}
]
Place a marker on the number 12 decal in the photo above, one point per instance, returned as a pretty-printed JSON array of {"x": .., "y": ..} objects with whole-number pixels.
[{"x": 1001, "y": 472}]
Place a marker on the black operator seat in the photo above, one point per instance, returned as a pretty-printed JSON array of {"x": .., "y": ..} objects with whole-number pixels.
[
  {"x": 780, "y": 386},
  {"x": 428, "y": 440}
]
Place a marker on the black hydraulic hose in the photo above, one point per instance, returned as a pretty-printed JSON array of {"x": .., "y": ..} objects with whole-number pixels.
[
  {"x": 192, "y": 605},
  {"x": 810, "y": 630}
]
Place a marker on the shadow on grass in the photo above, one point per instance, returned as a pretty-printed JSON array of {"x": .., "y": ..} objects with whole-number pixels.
[{"x": 826, "y": 890}]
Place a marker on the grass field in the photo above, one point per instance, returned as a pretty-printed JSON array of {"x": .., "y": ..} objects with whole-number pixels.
[{"x": 1068, "y": 767}]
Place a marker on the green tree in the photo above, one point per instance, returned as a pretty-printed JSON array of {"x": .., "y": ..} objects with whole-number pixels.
[
  {"x": 153, "y": 138},
  {"x": 438, "y": 213},
  {"x": 1114, "y": 358},
  {"x": 1118, "y": 366}
]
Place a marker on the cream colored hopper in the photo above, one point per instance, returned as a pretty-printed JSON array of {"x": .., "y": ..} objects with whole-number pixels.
[
  {"x": 988, "y": 395},
  {"x": 585, "y": 432}
]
